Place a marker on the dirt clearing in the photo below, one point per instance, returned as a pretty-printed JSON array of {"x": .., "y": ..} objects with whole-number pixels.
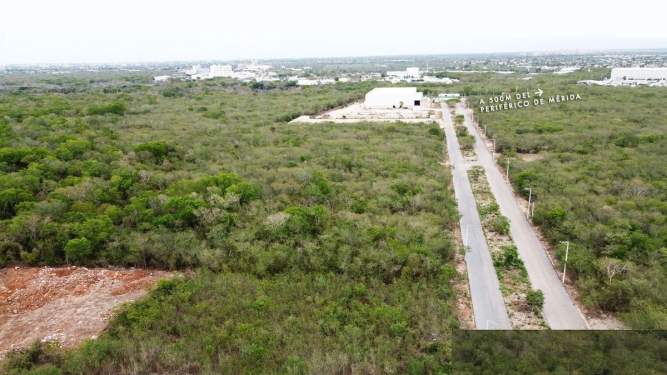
[
  {"x": 530, "y": 157},
  {"x": 64, "y": 304},
  {"x": 356, "y": 112}
]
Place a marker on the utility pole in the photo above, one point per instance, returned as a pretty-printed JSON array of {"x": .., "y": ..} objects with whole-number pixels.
[
  {"x": 530, "y": 196},
  {"x": 493, "y": 152},
  {"x": 508, "y": 169},
  {"x": 567, "y": 252}
]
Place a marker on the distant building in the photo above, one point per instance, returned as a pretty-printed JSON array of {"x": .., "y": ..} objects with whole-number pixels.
[
  {"x": 312, "y": 82},
  {"x": 370, "y": 77},
  {"x": 161, "y": 78},
  {"x": 244, "y": 73},
  {"x": 254, "y": 67},
  {"x": 638, "y": 75},
  {"x": 196, "y": 69},
  {"x": 220, "y": 71},
  {"x": 197, "y": 72},
  {"x": 408, "y": 75},
  {"x": 443, "y": 80},
  {"x": 306, "y": 82},
  {"x": 447, "y": 96},
  {"x": 633, "y": 77},
  {"x": 567, "y": 70},
  {"x": 267, "y": 77},
  {"x": 394, "y": 97}
]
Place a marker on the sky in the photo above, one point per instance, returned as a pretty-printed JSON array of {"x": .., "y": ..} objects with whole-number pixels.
[{"x": 97, "y": 31}]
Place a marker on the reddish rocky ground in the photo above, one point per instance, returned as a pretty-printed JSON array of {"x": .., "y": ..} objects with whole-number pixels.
[{"x": 64, "y": 304}]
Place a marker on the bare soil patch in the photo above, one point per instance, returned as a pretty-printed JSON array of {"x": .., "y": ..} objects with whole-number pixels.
[
  {"x": 64, "y": 304},
  {"x": 530, "y": 157},
  {"x": 356, "y": 112}
]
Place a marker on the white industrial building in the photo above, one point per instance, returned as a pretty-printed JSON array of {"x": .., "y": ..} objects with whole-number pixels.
[
  {"x": 408, "y": 75},
  {"x": 633, "y": 77},
  {"x": 196, "y": 69},
  {"x": 197, "y": 72},
  {"x": 567, "y": 70},
  {"x": 161, "y": 78},
  {"x": 245, "y": 73},
  {"x": 311, "y": 82},
  {"x": 220, "y": 71},
  {"x": 254, "y": 67},
  {"x": 443, "y": 80},
  {"x": 638, "y": 75},
  {"x": 394, "y": 97}
]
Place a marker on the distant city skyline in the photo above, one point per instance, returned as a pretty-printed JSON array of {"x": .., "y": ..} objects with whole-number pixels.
[{"x": 123, "y": 31}]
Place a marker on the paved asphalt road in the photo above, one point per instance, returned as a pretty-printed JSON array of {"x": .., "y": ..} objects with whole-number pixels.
[
  {"x": 559, "y": 310},
  {"x": 487, "y": 301}
]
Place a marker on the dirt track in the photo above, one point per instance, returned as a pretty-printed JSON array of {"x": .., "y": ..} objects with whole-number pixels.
[{"x": 66, "y": 304}]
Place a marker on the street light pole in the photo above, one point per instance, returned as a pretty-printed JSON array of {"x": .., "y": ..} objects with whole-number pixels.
[
  {"x": 508, "y": 169},
  {"x": 567, "y": 252}
]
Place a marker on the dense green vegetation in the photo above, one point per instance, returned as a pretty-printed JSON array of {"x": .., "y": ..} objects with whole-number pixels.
[
  {"x": 559, "y": 352},
  {"x": 317, "y": 249},
  {"x": 321, "y": 249},
  {"x": 99, "y": 178},
  {"x": 600, "y": 182}
]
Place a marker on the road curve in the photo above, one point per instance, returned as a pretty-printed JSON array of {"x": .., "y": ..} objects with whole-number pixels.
[
  {"x": 487, "y": 301},
  {"x": 560, "y": 312}
]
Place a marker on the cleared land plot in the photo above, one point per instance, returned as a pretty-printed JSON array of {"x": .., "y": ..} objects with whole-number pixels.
[
  {"x": 356, "y": 112},
  {"x": 64, "y": 304}
]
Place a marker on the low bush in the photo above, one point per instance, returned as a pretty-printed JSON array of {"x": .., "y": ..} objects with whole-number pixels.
[
  {"x": 116, "y": 108},
  {"x": 501, "y": 225},
  {"x": 535, "y": 300}
]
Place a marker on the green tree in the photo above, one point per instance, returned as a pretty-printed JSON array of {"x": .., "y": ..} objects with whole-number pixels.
[
  {"x": 9, "y": 199},
  {"x": 158, "y": 150},
  {"x": 78, "y": 250},
  {"x": 97, "y": 230}
]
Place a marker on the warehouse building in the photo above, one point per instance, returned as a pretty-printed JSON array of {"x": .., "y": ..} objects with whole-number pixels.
[
  {"x": 394, "y": 97},
  {"x": 653, "y": 77},
  {"x": 407, "y": 75},
  {"x": 220, "y": 71},
  {"x": 638, "y": 75}
]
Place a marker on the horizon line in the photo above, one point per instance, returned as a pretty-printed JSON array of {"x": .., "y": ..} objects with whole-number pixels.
[{"x": 565, "y": 51}]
